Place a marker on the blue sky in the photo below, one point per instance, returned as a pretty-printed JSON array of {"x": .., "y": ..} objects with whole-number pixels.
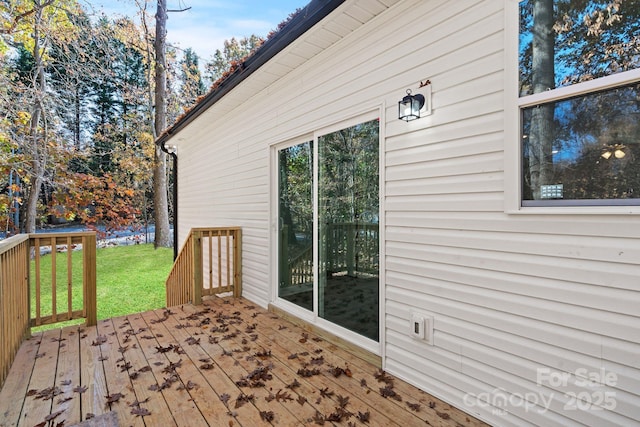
[{"x": 209, "y": 23}]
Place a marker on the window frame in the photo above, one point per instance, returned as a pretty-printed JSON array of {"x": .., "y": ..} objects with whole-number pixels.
[{"x": 514, "y": 104}]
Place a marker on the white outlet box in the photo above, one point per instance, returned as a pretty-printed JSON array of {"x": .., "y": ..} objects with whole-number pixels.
[{"x": 421, "y": 327}]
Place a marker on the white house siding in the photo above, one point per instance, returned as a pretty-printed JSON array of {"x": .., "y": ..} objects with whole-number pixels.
[{"x": 512, "y": 296}]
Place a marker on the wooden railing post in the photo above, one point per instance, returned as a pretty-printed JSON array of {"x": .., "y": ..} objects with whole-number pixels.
[
  {"x": 237, "y": 263},
  {"x": 283, "y": 256},
  {"x": 351, "y": 230},
  {"x": 89, "y": 279},
  {"x": 198, "y": 279}
]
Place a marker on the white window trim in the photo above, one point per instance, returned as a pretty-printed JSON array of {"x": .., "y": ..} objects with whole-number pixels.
[{"x": 513, "y": 104}]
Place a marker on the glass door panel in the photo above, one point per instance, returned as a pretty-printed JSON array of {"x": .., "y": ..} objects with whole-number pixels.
[
  {"x": 348, "y": 228},
  {"x": 295, "y": 238}
]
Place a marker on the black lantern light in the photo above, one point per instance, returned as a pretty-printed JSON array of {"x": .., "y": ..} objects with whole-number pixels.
[{"x": 410, "y": 106}]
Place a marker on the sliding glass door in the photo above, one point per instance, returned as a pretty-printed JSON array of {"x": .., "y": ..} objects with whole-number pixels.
[{"x": 329, "y": 245}]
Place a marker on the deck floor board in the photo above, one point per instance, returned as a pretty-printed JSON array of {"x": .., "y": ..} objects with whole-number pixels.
[{"x": 228, "y": 362}]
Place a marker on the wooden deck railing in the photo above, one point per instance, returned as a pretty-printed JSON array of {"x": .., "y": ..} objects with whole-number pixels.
[
  {"x": 60, "y": 283},
  {"x": 14, "y": 298},
  {"x": 209, "y": 263},
  {"x": 24, "y": 287},
  {"x": 351, "y": 248}
]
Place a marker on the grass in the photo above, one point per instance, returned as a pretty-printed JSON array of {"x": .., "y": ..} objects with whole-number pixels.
[{"x": 130, "y": 279}]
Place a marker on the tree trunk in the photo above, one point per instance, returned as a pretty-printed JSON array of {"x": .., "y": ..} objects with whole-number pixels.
[
  {"x": 37, "y": 157},
  {"x": 543, "y": 75},
  {"x": 160, "y": 197}
]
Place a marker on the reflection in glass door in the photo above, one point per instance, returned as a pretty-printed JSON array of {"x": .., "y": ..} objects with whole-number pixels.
[
  {"x": 348, "y": 242},
  {"x": 295, "y": 210},
  {"x": 346, "y": 225}
]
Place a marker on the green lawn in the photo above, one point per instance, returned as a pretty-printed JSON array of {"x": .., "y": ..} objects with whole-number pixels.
[{"x": 130, "y": 279}]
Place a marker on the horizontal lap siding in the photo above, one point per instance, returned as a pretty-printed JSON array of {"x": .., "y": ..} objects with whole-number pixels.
[{"x": 509, "y": 294}]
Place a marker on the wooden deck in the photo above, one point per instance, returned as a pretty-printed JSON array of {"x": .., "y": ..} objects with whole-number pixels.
[{"x": 224, "y": 363}]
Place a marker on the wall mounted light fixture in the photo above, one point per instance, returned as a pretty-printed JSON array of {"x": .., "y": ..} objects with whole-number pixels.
[
  {"x": 414, "y": 106},
  {"x": 616, "y": 151},
  {"x": 409, "y": 107}
]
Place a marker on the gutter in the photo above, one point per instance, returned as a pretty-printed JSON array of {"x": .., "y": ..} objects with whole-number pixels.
[{"x": 304, "y": 20}]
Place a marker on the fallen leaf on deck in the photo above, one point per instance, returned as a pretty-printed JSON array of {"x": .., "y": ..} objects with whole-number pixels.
[
  {"x": 294, "y": 384},
  {"x": 343, "y": 401},
  {"x": 172, "y": 367},
  {"x": 382, "y": 377},
  {"x": 225, "y": 398},
  {"x": 283, "y": 396},
  {"x": 389, "y": 392},
  {"x": 113, "y": 398},
  {"x": 80, "y": 389},
  {"x": 363, "y": 418},
  {"x": 53, "y": 416},
  {"x": 125, "y": 366},
  {"x": 138, "y": 403},
  {"x": 414, "y": 406},
  {"x": 267, "y": 416},
  {"x": 318, "y": 418},
  {"x": 243, "y": 398},
  {"x": 443, "y": 415},
  {"x": 338, "y": 415},
  {"x": 306, "y": 373},
  {"x": 325, "y": 392},
  {"x": 140, "y": 412},
  {"x": 48, "y": 393},
  {"x": 101, "y": 339}
]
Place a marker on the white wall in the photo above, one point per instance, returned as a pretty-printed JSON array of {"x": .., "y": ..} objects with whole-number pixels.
[{"x": 515, "y": 298}]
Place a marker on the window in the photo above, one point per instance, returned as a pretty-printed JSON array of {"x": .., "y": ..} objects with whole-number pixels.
[{"x": 579, "y": 102}]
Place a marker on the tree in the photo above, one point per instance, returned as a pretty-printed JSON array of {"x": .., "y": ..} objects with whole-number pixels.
[
  {"x": 36, "y": 23},
  {"x": 233, "y": 52},
  {"x": 160, "y": 197},
  {"x": 192, "y": 86},
  {"x": 542, "y": 72}
]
